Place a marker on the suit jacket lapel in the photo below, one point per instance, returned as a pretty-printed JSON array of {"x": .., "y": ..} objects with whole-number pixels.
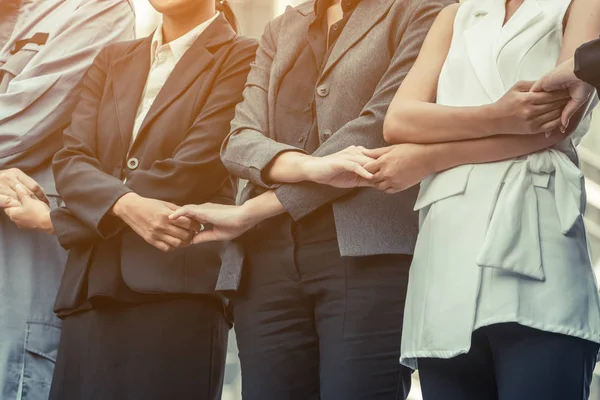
[
  {"x": 366, "y": 15},
  {"x": 128, "y": 86},
  {"x": 193, "y": 63},
  {"x": 481, "y": 41}
]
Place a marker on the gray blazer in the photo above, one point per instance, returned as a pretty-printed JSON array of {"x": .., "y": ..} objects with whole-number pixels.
[{"x": 367, "y": 65}]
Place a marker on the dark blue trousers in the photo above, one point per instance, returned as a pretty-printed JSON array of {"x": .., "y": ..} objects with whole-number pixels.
[{"x": 512, "y": 362}]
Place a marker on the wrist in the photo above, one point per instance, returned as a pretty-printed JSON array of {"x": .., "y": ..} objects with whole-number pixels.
[
  {"x": 439, "y": 157},
  {"x": 260, "y": 208},
  {"x": 492, "y": 119},
  {"x": 288, "y": 167},
  {"x": 46, "y": 225},
  {"x": 122, "y": 205}
]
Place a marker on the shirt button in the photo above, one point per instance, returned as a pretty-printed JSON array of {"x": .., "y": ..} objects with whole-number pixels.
[
  {"x": 133, "y": 163},
  {"x": 335, "y": 27},
  {"x": 323, "y": 91},
  {"x": 301, "y": 139}
]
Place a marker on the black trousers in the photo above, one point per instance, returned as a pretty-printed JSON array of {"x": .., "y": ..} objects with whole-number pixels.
[
  {"x": 172, "y": 349},
  {"x": 313, "y": 325},
  {"x": 512, "y": 362}
]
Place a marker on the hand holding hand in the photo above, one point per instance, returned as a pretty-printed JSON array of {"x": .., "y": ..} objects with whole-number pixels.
[
  {"x": 28, "y": 212},
  {"x": 228, "y": 222},
  {"x": 149, "y": 218},
  {"x": 521, "y": 111},
  {"x": 10, "y": 178},
  {"x": 399, "y": 167},
  {"x": 563, "y": 78},
  {"x": 344, "y": 169}
]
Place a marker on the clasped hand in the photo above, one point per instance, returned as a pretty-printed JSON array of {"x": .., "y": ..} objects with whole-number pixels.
[{"x": 149, "y": 218}]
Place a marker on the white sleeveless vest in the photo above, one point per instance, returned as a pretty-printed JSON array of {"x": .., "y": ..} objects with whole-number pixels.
[{"x": 504, "y": 241}]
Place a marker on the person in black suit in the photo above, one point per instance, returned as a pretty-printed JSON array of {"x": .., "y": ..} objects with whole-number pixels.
[
  {"x": 579, "y": 74},
  {"x": 141, "y": 318}
]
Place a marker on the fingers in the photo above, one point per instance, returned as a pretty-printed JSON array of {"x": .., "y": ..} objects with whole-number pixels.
[
  {"x": 24, "y": 194},
  {"x": 187, "y": 224},
  {"x": 208, "y": 235},
  {"x": 540, "y": 98},
  {"x": 555, "y": 105},
  {"x": 376, "y": 153},
  {"x": 569, "y": 110},
  {"x": 7, "y": 202},
  {"x": 189, "y": 211},
  {"x": 539, "y": 85},
  {"x": 33, "y": 186},
  {"x": 523, "y": 86},
  {"x": 358, "y": 169}
]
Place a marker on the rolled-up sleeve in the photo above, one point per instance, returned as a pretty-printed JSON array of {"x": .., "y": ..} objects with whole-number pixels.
[
  {"x": 38, "y": 101},
  {"x": 248, "y": 150}
]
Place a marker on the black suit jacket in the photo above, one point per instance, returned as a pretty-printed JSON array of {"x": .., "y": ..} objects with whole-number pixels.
[
  {"x": 175, "y": 158},
  {"x": 587, "y": 63}
]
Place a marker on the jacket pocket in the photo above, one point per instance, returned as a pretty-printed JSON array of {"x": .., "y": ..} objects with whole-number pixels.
[
  {"x": 443, "y": 185},
  {"x": 41, "y": 348},
  {"x": 15, "y": 65}
]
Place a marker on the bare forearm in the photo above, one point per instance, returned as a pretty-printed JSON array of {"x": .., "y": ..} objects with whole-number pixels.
[
  {"x": 262, "y": 207},
  {"x": 497, "y": 148},
  {"x": 422, "y": 122},
  {"x": 288, "y": 167}
]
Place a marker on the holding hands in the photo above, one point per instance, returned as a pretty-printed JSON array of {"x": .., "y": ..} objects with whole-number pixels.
[{"x": 562, "y": 78}]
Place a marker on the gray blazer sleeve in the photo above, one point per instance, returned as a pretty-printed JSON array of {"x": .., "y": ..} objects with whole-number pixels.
[
  {"x": 303, "y": 198},
  {"x": 247, "y": 150}
]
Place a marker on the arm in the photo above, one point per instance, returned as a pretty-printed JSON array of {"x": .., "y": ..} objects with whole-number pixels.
[
  {"x": 247, "y": 151},
  {"x": 76, "y": 168},
  {"x": 38, "y": 102},
  {"x": 404, "y": 165},
  {"x": 301, "y": 199},
  {"x": 413, "y": 116}
]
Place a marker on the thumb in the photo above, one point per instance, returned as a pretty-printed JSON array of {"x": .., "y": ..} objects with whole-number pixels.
[
  {"x": 376, "y": 153},
  {"x": 539, "y": 85},
  {"x": 189, "y": 211},
  {"x": 570, "y": 108}
]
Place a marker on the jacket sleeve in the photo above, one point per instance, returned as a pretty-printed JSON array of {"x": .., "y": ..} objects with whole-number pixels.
[
  {"x": 77, "y": 169},
  {"x": 88, "y": 192},
  {"x": 198, "y": 155},
  {"x": 587, "y": 63},
  {"x": 248, "y": 150},
  {"x": 301, "y": 199},
  {"x": 39, "y": 101}
]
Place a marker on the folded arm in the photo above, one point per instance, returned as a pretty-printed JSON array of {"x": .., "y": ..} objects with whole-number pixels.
[{"x": 414, "y": 116}]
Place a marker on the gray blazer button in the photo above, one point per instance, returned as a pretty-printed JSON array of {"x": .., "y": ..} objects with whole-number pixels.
[
  {"x": 323, "y": 91},
  {"x": 132, "y": 163}
]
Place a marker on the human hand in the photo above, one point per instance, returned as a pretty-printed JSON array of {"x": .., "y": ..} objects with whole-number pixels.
[
  {"x": 563, "y": 78},
  {"x": 399, "y": 167},
  {"x": 10, "y": 178},
  {"x": 149, "y": 218},
  {"x": 344, "y": 169},
  {"x": 521, "y": 111},
  {"x": 227, "y": 222},
  {"x": 28, "y": 212}
]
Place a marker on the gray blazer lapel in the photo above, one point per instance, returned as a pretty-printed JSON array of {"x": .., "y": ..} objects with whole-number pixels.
[{"x": 367, "y": 14}]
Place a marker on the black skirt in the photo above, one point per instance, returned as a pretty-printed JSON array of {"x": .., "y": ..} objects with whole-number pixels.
[{"x": 168, "y": 349}]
